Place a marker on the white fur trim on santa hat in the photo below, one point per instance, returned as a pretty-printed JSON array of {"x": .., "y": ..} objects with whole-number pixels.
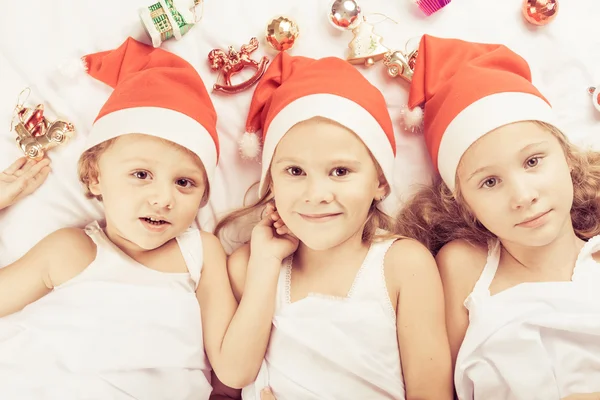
[
  {"x": 160, "y": 122},
  {"x": 483, "y": 116},
  {"x": 336, "y": 108}
]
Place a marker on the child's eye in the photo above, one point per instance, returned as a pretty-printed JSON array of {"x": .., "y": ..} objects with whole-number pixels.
[
  {"x": 294, "y": 171},
  {"x": 489, "y": 183},
  {"x": 186, "y": 183},
  {"x": 141, "y": 174},
  {"x": 340, "y": 171},
  {"x": 533, "y": 162}
]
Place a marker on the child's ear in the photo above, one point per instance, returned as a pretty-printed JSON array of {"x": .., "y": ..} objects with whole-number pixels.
[
  {"x": 383, "y": 189},
  {"x": 94, "y": 186}
]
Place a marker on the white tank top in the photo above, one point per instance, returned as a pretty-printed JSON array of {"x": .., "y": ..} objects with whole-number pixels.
[
  {"x": 118, "y": 330},
  {"x": 325, "y": 347},
  {"x": 536, "y": 340}
]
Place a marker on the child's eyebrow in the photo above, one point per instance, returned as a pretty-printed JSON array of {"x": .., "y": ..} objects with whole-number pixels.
[
  {"x": 138, "y": 159},
  {"x": 477, "y": 171},
  {"x": 525, "y": 149},
  {"x": 532, "y": 145},
  {"x": 337, "y": 161},
  {"x": 287, "y": 160}
]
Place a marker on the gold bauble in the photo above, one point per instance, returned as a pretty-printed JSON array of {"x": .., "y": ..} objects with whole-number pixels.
[
  {"x": 345, "y": 14},
  {"x": 282, "y": 33},
  {"x": 540, "y": 12}
]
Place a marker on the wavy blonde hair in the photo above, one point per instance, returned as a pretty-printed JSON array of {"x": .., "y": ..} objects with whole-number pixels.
[{"x": 436, "y": 216}]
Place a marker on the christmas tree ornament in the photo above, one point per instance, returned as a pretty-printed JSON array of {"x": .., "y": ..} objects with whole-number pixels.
[
  {"x": 595, "y": 93},
  {"x": 431, "y": 6},
  {"x": 35, "y": 133},
  {"x": 169, "y": 18},
  {"x": 232, "y": 62},
  {"x": 282, "y": 33},
  {"x": 540, "y": 12},
  {"x": 366, "y": 46}
]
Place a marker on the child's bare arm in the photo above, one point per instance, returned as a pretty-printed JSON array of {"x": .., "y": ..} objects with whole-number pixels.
[
  {"x": 54, "y": 260},
  {"x": 424, "y": 349},
  {"x": 236, "y": 342},
  {"x": 460, "y": 264}
]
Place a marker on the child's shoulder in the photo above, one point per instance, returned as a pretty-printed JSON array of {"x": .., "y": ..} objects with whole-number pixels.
[
  {"x": 461, "y": 262},
  {"x": 75, "y": 240},
  {"x": 68, "y": 252},
  {"x": 407, "y": 256}
]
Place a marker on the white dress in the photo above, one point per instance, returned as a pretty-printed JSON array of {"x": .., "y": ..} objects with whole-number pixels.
[
  {"x": 326, "y": 348},
  {"x": 538, "y": 340},
  {"x": 118, "y": 330}
]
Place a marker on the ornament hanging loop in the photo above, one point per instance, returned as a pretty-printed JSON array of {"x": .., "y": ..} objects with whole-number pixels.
[
  {"x": 196, "y": 4},
  {"x": 385, "y": 18},
  {"x": 21, "y": 99}
]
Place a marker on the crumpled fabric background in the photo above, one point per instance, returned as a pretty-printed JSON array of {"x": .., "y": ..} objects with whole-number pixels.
[{"x": 40, "y": 40}]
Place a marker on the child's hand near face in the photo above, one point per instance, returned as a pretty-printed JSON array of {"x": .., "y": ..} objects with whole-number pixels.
[
  {"x": 271, "y": 237},
  {"x": 21, "y": 179}
]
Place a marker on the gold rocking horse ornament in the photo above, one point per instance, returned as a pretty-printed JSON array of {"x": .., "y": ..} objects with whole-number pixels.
[{"x": 232, "y": 62}]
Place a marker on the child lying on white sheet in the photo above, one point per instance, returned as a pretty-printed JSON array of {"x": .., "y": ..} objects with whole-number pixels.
[{"x": 133, "y": 308}]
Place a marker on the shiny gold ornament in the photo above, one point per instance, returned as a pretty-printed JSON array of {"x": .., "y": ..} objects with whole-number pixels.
[
  {"x": 401, "y": 64},
  {"x": 35, "y": 133},
  {"x": 282, "y": 33},
  {"x": 540, "y": 12},
  {"x": 232, "y": 62},
  {"x": 366, "y": 47},
  {"x": 345, "y": 14}
]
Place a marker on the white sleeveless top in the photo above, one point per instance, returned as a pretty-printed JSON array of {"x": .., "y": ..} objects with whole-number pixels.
[
  {"x": 536, "y": 340},
  {"x": 325, "y": 347},
  {"x": 118, "y": 330}
]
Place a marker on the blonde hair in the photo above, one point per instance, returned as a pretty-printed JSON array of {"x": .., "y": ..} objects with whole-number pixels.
[
  {"x": 88, "y": 171},
  {"x": 436, "y": 216}
]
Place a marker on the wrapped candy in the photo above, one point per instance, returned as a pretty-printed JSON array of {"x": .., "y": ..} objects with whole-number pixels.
[{"x": 168, "y": 18}]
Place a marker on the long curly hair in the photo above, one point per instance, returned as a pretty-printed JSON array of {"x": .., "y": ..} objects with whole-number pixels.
[{"x": 435, "y": 215}]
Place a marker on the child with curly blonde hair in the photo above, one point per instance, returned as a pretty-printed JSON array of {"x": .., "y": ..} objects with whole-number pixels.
[{"x": 514, "y": 218}]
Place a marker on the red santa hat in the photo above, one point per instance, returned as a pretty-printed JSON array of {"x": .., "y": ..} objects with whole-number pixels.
[
  {"x": 155, "y": 93},
  {"x": 295, "y": 89},
  {"x": 467, "y": 90}
]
